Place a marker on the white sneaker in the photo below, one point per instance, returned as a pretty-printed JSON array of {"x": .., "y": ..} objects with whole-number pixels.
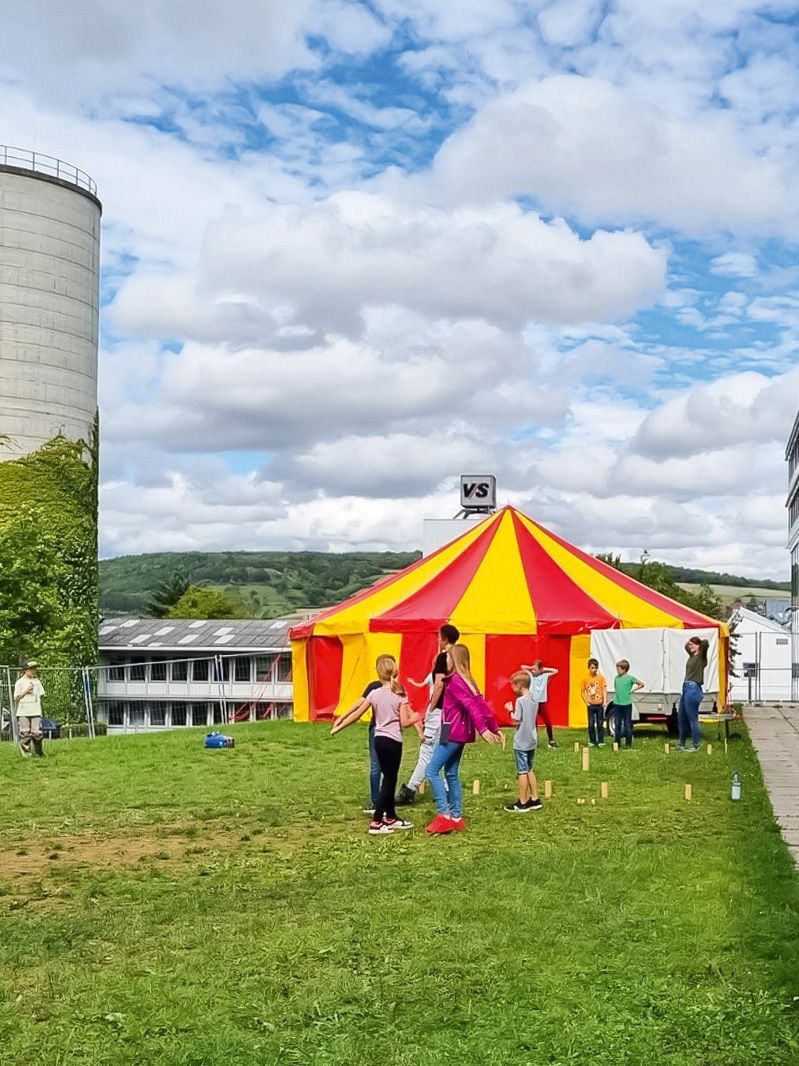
[
  {"x": 379, "y": 829},
  {"x": 398, "y": 823}
]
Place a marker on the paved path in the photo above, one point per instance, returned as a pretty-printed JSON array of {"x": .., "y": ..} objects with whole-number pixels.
[{"x": 774, "y": 730}]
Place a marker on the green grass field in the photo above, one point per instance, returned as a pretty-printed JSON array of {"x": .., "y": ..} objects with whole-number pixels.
[{"x": 163, "y": 904}]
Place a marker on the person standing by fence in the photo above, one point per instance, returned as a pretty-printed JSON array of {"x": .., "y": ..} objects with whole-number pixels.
[{"x": 28, "y": 692}]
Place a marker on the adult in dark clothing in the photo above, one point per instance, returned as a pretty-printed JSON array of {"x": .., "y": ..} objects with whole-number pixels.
[
  {"x": 448, "y": 637},
  {"x": 691, "y": 698}
]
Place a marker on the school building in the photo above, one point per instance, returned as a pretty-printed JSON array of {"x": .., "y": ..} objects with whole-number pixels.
[{"x": 158, "y": 673}]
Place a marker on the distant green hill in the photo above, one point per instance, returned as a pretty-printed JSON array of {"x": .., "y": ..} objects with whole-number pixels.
[
  {"x": 263, "y": 584},
  {"x": 268, "y": 584}
]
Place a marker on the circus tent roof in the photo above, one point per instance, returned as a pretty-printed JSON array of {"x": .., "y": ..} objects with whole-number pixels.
[{"x": 508, "y": 574}]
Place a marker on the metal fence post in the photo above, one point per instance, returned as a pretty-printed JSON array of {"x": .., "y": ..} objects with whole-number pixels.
[{"x": 14, "y": 724}]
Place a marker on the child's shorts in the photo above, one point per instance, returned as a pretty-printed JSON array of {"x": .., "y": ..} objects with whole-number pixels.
[{"x": 524, "y": 760}]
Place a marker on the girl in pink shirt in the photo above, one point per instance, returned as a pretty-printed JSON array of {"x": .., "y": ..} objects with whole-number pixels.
[{"x": 391, "y": 713}]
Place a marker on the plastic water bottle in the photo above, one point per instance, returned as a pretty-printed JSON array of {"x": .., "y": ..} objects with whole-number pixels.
[{"x": 736, "y": 785}]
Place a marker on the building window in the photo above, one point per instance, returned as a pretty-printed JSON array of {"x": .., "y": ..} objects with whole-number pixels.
[
  {"x": 750, "y": 669},
  {"x": 240, "y": 667},
  {"x": 179, "y": 714},
  {"x": 200, "y": 669},
  {"x": 263, "y": 667},
  {"x": 138, "y": 672},
  {"x": 284, "y": 667},
  {"x": 158, "y": 712},
  {"x": 136, "y": 714},
  {"x": 158, "y": 671},
  {"x": 795, "y": 670},
  {"x": 115, "y": 713},
  {"x": 180, "y": 670},
  {"x": 116, "y": 671},
  {"x": 216, "y": 715}
]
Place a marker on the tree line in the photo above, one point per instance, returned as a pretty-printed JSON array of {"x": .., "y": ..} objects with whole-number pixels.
[{"x": 269, "y": 584}]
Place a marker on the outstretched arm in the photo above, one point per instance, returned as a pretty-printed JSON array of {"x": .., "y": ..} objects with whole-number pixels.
[
  {"x": 416, "y": 684},
  {"x": 352, "y": 715}
]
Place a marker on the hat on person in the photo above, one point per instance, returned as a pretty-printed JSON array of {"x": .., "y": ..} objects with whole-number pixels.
[{"x": 29, "y": 664}]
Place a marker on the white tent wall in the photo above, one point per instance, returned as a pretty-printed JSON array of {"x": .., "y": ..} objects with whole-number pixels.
[{"x": 656, "y": 656}]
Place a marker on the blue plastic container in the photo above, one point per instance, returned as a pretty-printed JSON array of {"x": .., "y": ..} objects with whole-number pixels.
[{"x": 219, "y": 740}]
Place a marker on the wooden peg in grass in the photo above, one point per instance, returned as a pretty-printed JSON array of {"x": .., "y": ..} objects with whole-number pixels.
[
  {"x": 420, "y": 790},
  {"x": 667, "y": 748},
  {"x": 615, "y": 745},
  {"x": 577, "y": 745},
  {"x": 476, "y": 787},
  {"x": 603, "y": 790},
  {"x": 710, "y": 749},
  {"x": 725, "y": 745},
  {"x": 581, "y": 801},
  {"x": 586, "y": 759},
  {"x": 547, "y": 790},
  {"x": 689, "y": 792}
]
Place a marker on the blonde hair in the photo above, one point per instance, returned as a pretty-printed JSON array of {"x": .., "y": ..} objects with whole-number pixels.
[
  {"x": 461, "y": 662},
  {"x": 521, "y": 678},
  {"x": 386, "y": 667}
]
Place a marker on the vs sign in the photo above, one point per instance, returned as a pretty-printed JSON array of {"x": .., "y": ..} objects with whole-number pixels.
[{"x": 478, "y": 492}]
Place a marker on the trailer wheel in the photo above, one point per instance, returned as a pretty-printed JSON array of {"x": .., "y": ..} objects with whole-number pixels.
[{"x": 610, "y": 724}]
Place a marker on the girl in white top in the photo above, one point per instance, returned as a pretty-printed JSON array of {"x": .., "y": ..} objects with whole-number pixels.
[{"x": 392, "y": 712}]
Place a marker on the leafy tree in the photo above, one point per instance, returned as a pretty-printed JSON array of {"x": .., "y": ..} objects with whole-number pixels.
[
  {"x": 48, "y": 565},
  {"x": 166, "y": 594},
  {"x": 660, "y": 577},
  {"x": 199, "y": 602},
  {"x": 31, "y": 570}
]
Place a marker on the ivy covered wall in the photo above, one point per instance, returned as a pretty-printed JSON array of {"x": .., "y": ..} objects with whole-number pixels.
[{"x": 48, "y": 567}]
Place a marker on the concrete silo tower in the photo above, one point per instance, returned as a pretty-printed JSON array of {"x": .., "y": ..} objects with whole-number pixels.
[
  {"x": 49, "y": 306},
  {"x": 49, "y": 301}
]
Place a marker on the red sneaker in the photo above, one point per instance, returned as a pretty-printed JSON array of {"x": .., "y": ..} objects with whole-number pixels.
[
  {"x": 458, "y": 824},
  {"x": 440, "y": 824}
]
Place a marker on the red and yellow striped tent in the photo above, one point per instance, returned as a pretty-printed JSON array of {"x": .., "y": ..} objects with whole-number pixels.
[{"x": 516, "y": 592}]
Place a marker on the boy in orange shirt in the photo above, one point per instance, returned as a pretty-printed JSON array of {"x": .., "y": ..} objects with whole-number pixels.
[{"x": 594, "y": 691}]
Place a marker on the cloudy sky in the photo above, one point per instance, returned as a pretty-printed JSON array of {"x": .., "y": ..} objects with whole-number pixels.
[{"x": 353, "y": 249}]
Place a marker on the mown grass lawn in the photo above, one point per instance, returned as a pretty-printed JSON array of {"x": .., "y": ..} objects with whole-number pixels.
[{"x": 163, "y": 904}]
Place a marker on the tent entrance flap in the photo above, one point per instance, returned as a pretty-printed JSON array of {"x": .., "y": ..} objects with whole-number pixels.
[
  {"x": 325, "y": 658},
  {"x": 505, "y": 654}
]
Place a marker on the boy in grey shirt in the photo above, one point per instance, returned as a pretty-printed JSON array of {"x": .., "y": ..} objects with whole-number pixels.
[{"x": 525, "y": 740}]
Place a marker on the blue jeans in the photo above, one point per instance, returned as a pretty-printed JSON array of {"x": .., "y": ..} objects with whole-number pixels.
[
  {"x": 624, "y": 724},
  {"x": 596, "y": 723},
  {"x": 447, "y": 757},
  {"x": 688, "y": 713},
  {"x": 374, "y": 767}
]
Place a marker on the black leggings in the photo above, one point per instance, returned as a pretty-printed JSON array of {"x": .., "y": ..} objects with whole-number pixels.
[{"x": 389, "y": 755}]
